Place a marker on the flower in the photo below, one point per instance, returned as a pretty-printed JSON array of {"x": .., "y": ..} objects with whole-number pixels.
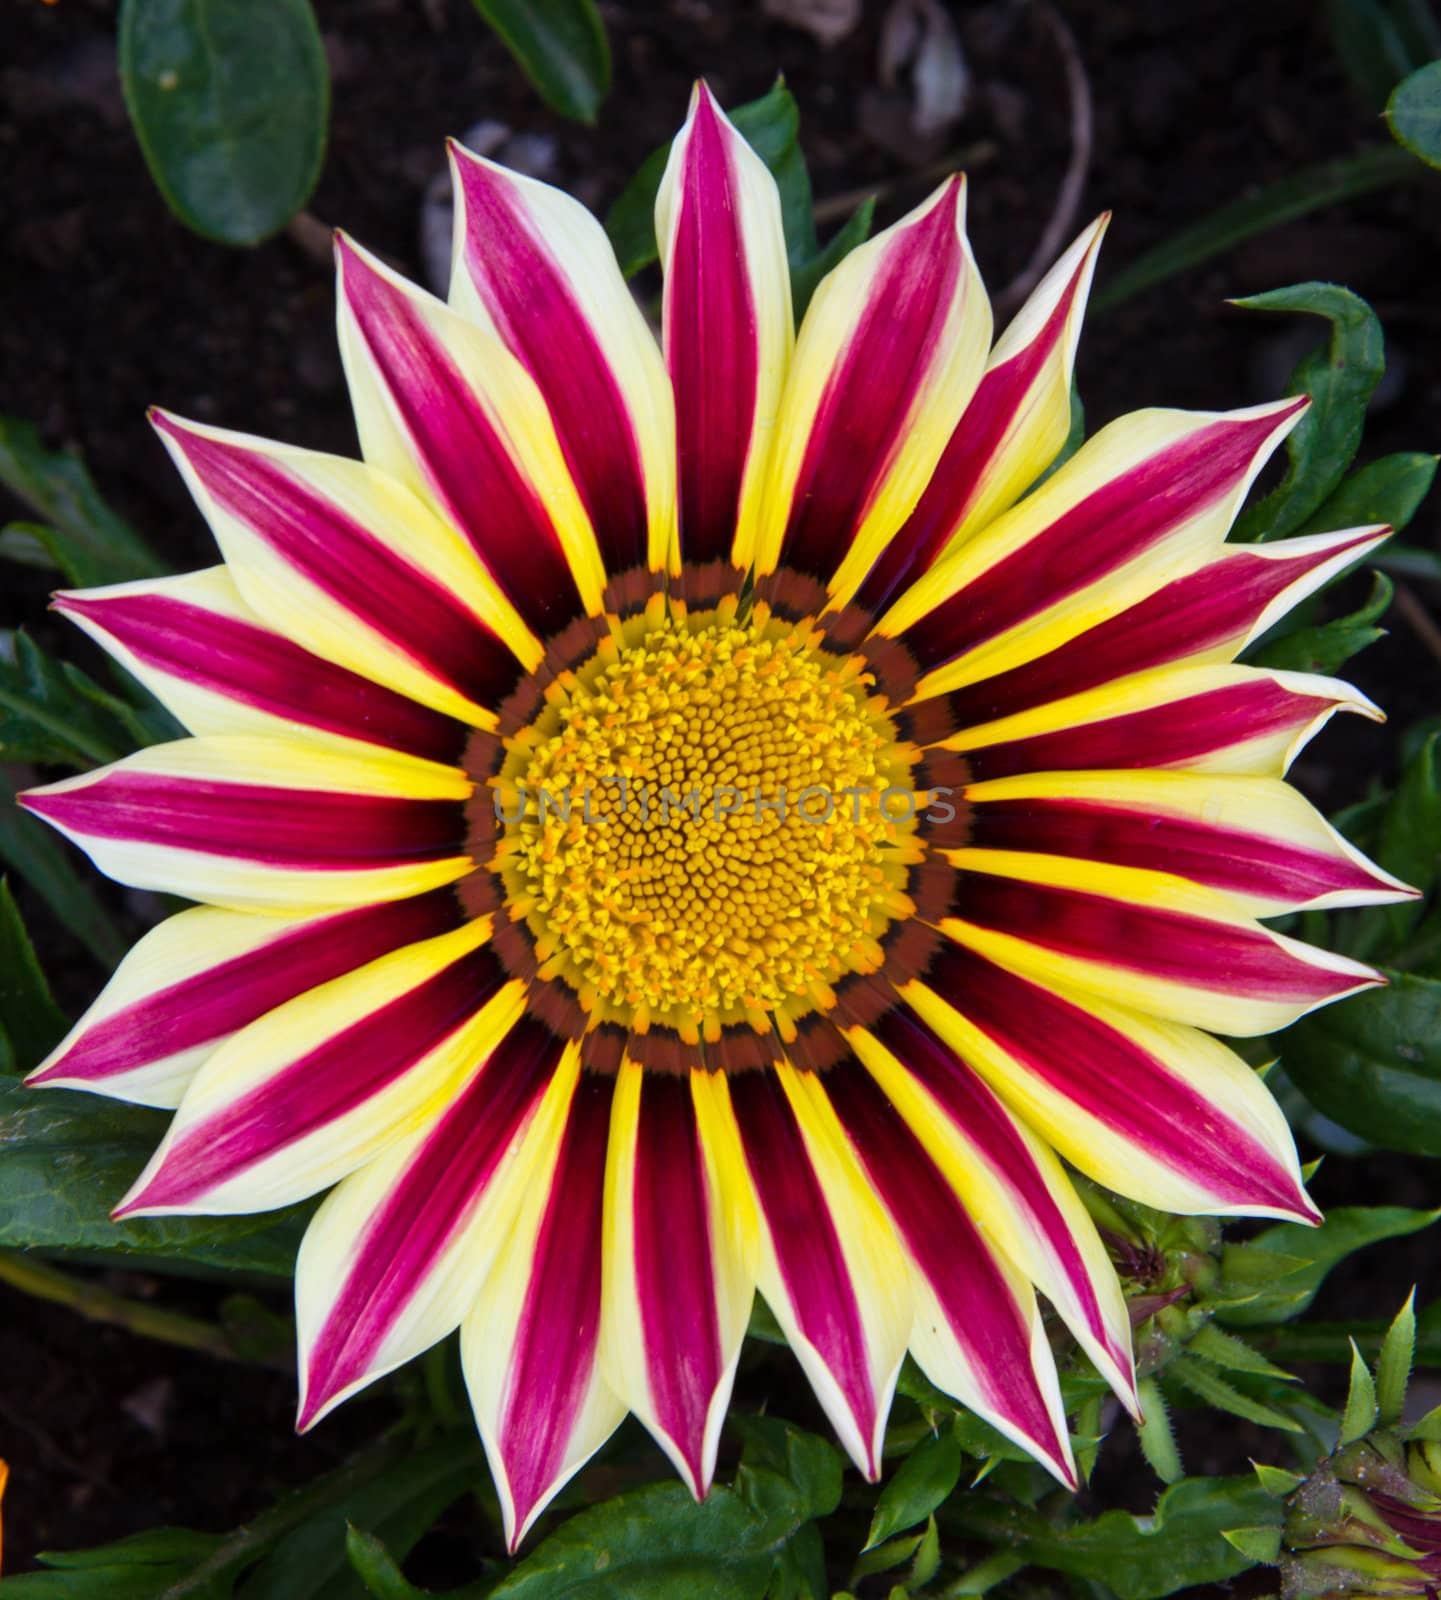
[{"x": 667, "y": 825}]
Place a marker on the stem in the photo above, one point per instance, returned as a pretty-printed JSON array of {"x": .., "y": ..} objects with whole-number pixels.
[{"x": 98, "y": 1304}]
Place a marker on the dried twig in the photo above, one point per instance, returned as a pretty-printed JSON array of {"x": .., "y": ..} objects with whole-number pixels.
[{"x": 1068, "y": 197}]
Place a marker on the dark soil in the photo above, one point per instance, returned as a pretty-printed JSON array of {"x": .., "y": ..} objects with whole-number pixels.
[{"x": 110, "y": 305}]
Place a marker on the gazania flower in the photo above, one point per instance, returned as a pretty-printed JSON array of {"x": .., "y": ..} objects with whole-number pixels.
[{"x": 685, "y": 820}]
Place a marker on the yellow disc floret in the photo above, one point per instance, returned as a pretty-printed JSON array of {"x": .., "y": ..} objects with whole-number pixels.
[{"x": 710, "y": 825}]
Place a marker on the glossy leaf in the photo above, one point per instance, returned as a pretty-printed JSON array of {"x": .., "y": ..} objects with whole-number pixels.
[
  {"x": 89, "y": 543},
  {"x": 922, "y": 1482},
  {"x": 50, "y": 713},
  {"x": 1374, "y": 1064},
  {"x": 1406, "y": 840},
  {"x": 560, "y": 45},
  {"x": 230, "y": 101},
  {"x": 31, "y": 1024},
  {"x": 1414, "y": 113},
  {"x": 1340, "y": 379},
  {"x": 1369, "y": 48},
  {"x": 138, "y": 1568},
  {"x": 1275, "y": 1276},
  {"x": 69, "y": 1157}
]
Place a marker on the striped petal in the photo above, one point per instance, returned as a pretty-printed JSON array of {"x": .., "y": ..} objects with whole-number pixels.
[
  {"x": 1254, "y": 838},
  {"x": 1008, "y": 435},
  {"x": 1163, "y": 1113},
  {"x": 891, "y": 349},
  {"x": 532, "y": 266},
  {"x": 445, "y": 409},
  {"x": 679, "y": 1261},
  {"x": 1141, "y": 502},
  {"x": 212, "y": 662},
  {"x": 396, "y": 1255},
  {"x": 1206, "y": 615},
  {"x": 323, "y": 1083},
  {"x": 830, "y": 1267},
  {"x": 267, "y": 824},
  {"x": 1145, "y": 940},
  {"x": 1219, "y": 719},
  {"x": 977, "y": 1332},
  {"x": 352, "y": 566},
  {"x": 201, "y": 976},
  {"x": 1008, "y": 1182},
  {"x": 728, "y": 326},
  {"x": 531, "y": 1343}
]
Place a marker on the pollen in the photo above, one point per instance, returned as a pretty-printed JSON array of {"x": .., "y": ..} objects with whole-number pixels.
[{"x": 711, "y": 825}]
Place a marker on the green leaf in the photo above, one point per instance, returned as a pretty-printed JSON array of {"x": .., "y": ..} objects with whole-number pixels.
[
  {"x": 1393, "y": 1366},
  {"x": 1359, "y": 1417},
  {"x": 1157, "y": 1437},
  {"x": 807, "y": 275},
  {"x": 1297, "y": 196},
  {"x": 30, "y": 849},
  {"x": 314, "y": 1561},
  {"x": 1277, "y": 1480},
  {"x": 1259, "y": 1545},
  {"x": 1328, "y": 645},
  {"x": 66, "y": 1159},
  {"x": 1368, "y": 47},
  {"x": 138, "y": 1568},
  {"x": 1413, "y": 113},
  {"x": 659, "y": 1543},
  {"x": 376, "y": 1567},
  {"x": 1340, "y": 380},
  {"x": 90, "y": 544},
  {"x": 925, "y": 1478},
  {"x": 230, "y": 101},
  {"x": 1386, "y": 491},
  {"x": 1226, "y": 1350},
  {"x": 1204, "y": 1382},
  {"x": 1373, "y": 1065},
  {"x": 50, "y": 714},
  {"x": 1181, "y": 1544},
  {"x": 1292, "y": 1288},
  {"x": 31, "y": 1024},
  {"x": 882, "y": 1557},
  {"x": 561, "y": 46},
  {"x": 1408, "y": 845}
]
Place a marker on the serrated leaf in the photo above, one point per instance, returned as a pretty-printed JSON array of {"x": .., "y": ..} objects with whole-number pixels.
[
  {"x": 31, "y": 1024},
  {"x": 1345, "y": 1230},
  {"x": 1156, "y": 1435},
  {"x": 1208, "y": 1385},
  {"x": 561, "y": 46},
  {"x": 1277, "y": 1480},
  {"x": 1327, "y": 646},
  {"x": 66, "y": 1159},
  {"x": 922, "y": 1482},
  {"x": 1181, "y": 1544},
  {"x": 1340, "y": 380},
  {"x": 1413, "y": 113},
  {"x": 1359, "y": 1417},
  {"x": 1388, "y": 491},
  {"x": 1373, "y": 1065},
  {"x": 91, "y": 544},
  {"x": 1226, "y": 1350},
  {"x": 1428, "y": 1429},
  {"x": 230, "y": 100},
  {"x": 1393, "y": 1365}
]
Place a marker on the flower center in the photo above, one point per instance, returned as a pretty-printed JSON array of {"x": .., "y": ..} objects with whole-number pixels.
[{"x": 710, "y": 824}]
